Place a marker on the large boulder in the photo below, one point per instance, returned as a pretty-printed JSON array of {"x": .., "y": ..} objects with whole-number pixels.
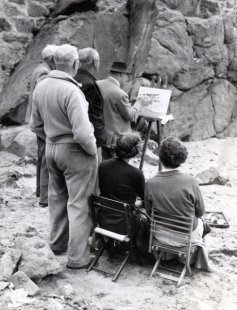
[
  {"x": 18, "y": 140},
  {"x": 36, "y": 252},
  {"x": 191, "y": 42}
]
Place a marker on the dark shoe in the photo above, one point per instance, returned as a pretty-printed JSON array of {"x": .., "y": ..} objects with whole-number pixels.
[
  {"x": 43, "y": 205},
  {"x": 84, "y": 266},
  {"x": 59, "y": 252}
]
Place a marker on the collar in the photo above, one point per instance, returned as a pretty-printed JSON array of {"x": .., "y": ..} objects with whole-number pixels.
[
  {"x": 87, "y": 73},
  {"x": 58, "y": 74},
  {"x": 113, "y": 80},
  {"x": 168, "y": 173}
]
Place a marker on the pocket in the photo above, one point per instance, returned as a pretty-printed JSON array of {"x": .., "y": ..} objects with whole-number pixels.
[{"x": 74, "y": 147}]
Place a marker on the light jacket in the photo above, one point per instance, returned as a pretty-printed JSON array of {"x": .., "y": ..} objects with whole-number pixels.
[
  {"x": 60, "y": 112},
  {"x": 118, "y": 111}
]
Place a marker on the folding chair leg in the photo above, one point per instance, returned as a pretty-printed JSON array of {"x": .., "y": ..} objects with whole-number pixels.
[
  {"x": 189, "y": 269},
  {"x": 100, "y": 252},
  {"x": 182, "y": 276},
  {"x": 156, "y": 265},
  {"x": 121, "y": 267}
]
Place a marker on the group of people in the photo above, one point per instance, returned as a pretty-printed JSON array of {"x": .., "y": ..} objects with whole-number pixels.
[{"x": 85, "y": 142}]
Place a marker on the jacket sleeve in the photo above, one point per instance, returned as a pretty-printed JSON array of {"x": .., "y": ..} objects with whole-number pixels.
[
  {"x": 82, "y": 129},
  {"x": 199, "y": 203},
  {"x": 126, "y": 110},
  {"x": 148, "y": 199},
  {"x": 96, "y": 115},
  {"x": 36, "y": 122},
  {"x": 140, "y": 185}
]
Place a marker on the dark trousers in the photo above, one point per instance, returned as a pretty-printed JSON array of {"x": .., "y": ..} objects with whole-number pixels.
[{"x": 42, "y": 174}]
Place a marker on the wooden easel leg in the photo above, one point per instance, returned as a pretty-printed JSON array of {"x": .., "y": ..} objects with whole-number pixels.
[
  {"x": 145, "y": 144},
  {"x": 159, "y": 133}
]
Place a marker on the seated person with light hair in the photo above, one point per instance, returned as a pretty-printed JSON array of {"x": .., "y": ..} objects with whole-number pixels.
[{"x": 172, "y": 192}]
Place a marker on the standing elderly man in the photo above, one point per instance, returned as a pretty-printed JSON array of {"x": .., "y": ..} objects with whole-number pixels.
[
  {"x": 90, "y": 64},
  {"x": 39, "y": 73},
  {"x": 118, "y": 112},
  {"x": 60, "y": 112}
]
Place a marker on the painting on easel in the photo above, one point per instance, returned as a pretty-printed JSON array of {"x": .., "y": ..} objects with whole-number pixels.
[{"x": 156, "y": 102}]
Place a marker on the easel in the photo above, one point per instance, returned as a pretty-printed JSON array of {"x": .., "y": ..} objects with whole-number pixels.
[{"x": 156, "y": 82}]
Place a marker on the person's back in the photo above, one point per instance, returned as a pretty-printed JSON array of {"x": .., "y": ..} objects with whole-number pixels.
[
  {"x": 173, "y": 192},
  {"x": 89, "y": 64},
  {"x": 120, "y": 181},
  {"x": 60, "y": 113},
  {"x": 61, "y": 97},
  {"x": 117, "y": 120}
]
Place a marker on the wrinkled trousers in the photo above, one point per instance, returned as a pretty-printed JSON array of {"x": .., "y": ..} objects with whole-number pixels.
[
  {"x": 72, "y": 175},
  {"x": 42, "y": 173}
]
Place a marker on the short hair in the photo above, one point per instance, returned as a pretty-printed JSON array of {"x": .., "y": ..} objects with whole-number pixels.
[
  {"x": 172, "y": 152},
  {"x": 88, "y": 55},
  {"x": 65, "y": 54},
  {"x": 49, "y": 51}
]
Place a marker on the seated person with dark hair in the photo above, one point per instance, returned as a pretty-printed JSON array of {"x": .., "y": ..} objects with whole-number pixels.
[
  {"x": 172, "y": 192},
  {"x": 120, "y": 181}
]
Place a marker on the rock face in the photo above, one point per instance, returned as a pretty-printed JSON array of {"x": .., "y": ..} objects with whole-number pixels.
[{"x": 191, "y": 42}]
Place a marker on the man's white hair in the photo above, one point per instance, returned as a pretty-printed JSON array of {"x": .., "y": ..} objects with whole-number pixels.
[
  {"x": 49, "y": 51},
  {"x": 65, "y": 54},
  {"x": 88, "y": 55}
]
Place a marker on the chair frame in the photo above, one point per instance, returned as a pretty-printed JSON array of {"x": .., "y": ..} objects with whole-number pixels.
[
  {"x": 99, "y": 202},
  {"x": 180, "y": 225}
]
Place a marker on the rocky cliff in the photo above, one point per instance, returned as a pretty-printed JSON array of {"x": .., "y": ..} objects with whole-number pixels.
[{"x": 191, "y": 42}]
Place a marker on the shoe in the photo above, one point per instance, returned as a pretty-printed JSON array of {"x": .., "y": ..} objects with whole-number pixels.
[
  {"x": 59, "y": 252},
  {"x": 84, "y": 266},
  {"x": 43, "y": 205}
]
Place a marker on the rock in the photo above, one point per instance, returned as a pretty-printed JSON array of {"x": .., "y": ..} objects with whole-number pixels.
[
  {"x": 11, "y": 10},
  {"x": 18, "y": 140},
  {"x": 10, "y": 37},
  {"x": 18, "y": 1},
  {"x": 187, "y": 7},
  {"x": 18, "y": 298},
  {"x": 21, "y": 280},
  {"x": 3, "y": 285},
  {"x": 192, "y": 42},
  {"x": 4, "y": 25},
  {"x": 171, "y": 45},
  {"x": 36, "y": 252},
  {"x": 24, "y": 144},
  {"x": 151, "y": 158},
  {"x": 6, "y": 243},
  {"x": 37, "y": 10},
  {"x": 9, "y": 263},
  {"x": 24, "y": 24},
  {"x": 210, "y": 176},
  {"x": 71, "y": 6},
  {"x": 207, "y": 8}
]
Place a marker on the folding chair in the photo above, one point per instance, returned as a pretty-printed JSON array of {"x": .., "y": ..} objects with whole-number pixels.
[
  {"x": 101, "y": 203},
  {"x": 165, "y": 230}
]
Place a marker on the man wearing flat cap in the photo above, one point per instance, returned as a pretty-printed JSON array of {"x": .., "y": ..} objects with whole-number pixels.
[{"x": 118, "y": 112}]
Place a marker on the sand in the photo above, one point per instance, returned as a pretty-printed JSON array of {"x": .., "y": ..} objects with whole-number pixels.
[{"x": 19, "y": 213}]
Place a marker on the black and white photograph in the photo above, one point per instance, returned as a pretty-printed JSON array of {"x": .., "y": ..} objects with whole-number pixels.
[{"x": 118, "y": 154}]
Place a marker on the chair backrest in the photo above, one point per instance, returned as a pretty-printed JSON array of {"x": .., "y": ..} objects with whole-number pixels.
[
  {"x": 170, "y": 231},
  {"x": 115, "y": 207}
]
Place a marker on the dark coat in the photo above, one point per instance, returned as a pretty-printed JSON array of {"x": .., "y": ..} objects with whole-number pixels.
[{"x": 96, "y": 103}]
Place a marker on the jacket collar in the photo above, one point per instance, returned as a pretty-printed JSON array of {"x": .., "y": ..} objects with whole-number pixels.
[
  {"x": 114, "y": 81},
  {"x": 57, "y": 74},
  {"x": 87, "y": 73}
]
